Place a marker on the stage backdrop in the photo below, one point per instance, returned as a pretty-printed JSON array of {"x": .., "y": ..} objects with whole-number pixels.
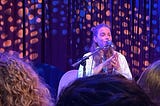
[{"x": 57, "y": 32}]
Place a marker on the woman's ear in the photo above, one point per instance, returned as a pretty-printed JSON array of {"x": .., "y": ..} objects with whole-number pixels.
[{"x": 95, "y": 39}]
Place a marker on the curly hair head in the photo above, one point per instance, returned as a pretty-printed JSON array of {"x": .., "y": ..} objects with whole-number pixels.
[{"x": 20, "y": 85}]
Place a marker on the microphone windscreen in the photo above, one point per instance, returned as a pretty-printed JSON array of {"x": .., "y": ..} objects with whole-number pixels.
[{"x": 109, "y": 44}]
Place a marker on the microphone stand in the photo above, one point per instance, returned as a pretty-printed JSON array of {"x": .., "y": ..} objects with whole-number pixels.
[{"x": 82, "y": 61}]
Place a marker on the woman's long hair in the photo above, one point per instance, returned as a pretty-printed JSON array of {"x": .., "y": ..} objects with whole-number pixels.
[
  {"x": 20, "y": 85},
  {"x": 104, "y": 53}
]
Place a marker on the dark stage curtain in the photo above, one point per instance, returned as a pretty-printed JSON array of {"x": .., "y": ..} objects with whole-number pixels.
[{"x": 57, "y": 32}]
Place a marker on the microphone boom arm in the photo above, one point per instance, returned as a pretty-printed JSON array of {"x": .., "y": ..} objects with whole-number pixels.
[{"x": 86, "y": 57}]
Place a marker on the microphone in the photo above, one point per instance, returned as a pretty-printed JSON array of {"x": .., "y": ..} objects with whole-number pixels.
[{"x": 108, "y": 45}]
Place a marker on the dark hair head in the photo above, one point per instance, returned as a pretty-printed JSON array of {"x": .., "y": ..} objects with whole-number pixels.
[{"x": 103, "y": 90}]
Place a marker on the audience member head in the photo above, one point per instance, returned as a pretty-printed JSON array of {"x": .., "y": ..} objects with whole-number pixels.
[
  {"x": 103, "y": 90},
  {"x": 20, "y": 85},
  {"x": 150, "y": 81}
]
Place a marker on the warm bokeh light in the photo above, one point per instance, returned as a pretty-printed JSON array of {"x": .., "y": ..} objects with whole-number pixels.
[{"x": 135, "y": 28}]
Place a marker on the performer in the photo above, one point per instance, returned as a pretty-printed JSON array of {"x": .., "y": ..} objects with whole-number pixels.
[{"x": 106, "y": 59}]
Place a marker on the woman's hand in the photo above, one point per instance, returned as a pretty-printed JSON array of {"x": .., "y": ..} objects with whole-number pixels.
[
  {"x": 114, "y": 62},
  {"x": 111, "y": 62}
]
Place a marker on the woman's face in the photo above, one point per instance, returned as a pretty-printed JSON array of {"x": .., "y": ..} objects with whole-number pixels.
[{"x": 104, "y": 35}]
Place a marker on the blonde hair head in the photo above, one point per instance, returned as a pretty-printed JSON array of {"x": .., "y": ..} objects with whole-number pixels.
[{"x": 20, "y": 85}]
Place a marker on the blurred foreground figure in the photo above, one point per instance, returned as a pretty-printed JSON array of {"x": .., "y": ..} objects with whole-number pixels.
[
  {"x": 103, "y": 90},
  {"x": 150, "y": 81},
  {"x": 20, "y": 85}
]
